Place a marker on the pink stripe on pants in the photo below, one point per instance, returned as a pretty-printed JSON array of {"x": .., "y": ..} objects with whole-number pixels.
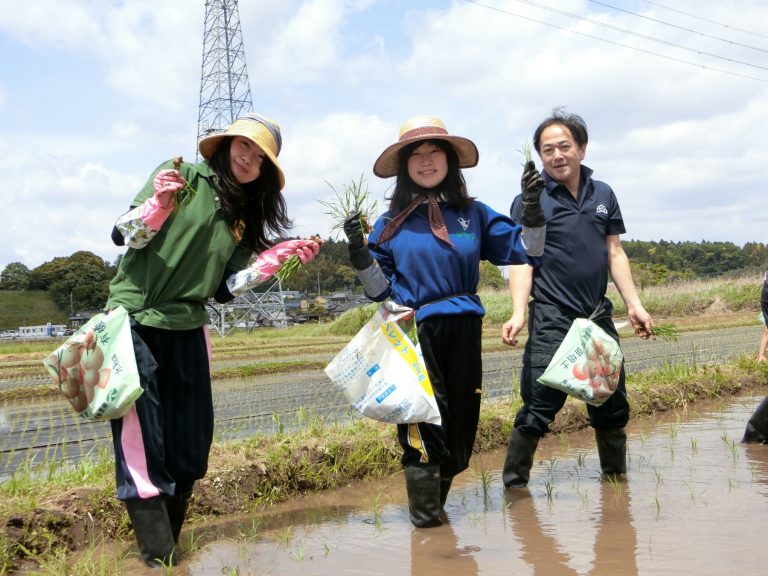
[{"x": 132, "y": 443}]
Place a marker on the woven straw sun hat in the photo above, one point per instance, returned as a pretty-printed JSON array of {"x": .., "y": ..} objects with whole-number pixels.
[
  {"x": 424, "y": 128},
  {"x": 259, "y": 129}
]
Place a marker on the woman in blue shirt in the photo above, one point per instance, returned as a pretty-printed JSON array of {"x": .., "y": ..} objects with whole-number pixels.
[{"x": 425, "y": 253}]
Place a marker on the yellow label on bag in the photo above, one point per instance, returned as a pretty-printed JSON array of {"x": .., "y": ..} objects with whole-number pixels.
[{"x": 407, "y": 351}]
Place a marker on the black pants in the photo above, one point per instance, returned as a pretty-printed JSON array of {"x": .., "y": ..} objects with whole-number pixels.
[
  {"x": 452, "y": 347},
  {"x": 162, "y": 444},
  {"x": 547, "y": 327}
]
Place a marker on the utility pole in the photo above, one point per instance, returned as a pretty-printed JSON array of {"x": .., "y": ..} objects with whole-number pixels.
[{"x": 225, "y": 93}]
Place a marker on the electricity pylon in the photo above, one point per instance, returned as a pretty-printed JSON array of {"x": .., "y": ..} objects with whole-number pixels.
[{"x": 225, "y": 92}]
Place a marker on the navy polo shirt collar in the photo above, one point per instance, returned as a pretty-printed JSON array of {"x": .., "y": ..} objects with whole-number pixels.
[
  {"x": 584, "y": 177},
  {"x": 553, "y": 186}
]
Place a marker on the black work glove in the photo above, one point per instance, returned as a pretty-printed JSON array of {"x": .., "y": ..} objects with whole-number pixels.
[
  {"x": 532, "y": 185},
  {"x": 358, "y": 251}
]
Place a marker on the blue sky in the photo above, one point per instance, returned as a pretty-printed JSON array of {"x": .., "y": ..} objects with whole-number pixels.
[{"x": 94, "y": 94}]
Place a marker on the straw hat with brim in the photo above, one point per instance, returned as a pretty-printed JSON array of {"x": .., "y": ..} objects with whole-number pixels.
[
  {"x": 258, "y": 129},
  {"x": 424, "y": 128}
]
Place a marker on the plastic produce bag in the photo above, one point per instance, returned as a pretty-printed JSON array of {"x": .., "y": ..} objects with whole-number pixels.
[
  {"x": 382, "y": 374},
  {"x": 95, "y": 368},
  {"x": 587, "y": 364}
]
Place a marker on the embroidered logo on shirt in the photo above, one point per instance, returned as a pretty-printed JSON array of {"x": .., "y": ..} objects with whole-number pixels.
[
  {"x": 464, "y": 223},
  {"x": 601, "y": 209}
]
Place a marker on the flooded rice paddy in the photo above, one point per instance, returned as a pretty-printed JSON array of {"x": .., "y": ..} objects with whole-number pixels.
[{"x": 695, "y": 502}]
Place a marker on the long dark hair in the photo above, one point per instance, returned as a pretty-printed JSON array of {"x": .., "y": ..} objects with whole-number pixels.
[
  {"x": 453, "y": 189},
  {"x": 259, "y": 204}
]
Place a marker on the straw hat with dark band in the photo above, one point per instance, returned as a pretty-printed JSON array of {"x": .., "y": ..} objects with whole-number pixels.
[
  {"x": 424, "y": 128},
  {"x": 258, "y": 129}
]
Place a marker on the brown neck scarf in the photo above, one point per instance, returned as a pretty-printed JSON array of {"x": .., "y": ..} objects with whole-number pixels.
[{"x": 436, "y": 221}]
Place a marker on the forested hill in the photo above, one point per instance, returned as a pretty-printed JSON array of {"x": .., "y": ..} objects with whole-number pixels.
[
  {"x": 656, "y": 263},
  {"x": 80, "y": 282}
]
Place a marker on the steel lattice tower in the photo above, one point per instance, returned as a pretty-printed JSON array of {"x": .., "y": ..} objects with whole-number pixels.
[{"x": 225, "y": 92}]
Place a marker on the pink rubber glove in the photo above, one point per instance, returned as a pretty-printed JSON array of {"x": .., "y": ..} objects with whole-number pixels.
[
  {"x": 155, "y": 210},
  {"x": 269, "y": 262}
]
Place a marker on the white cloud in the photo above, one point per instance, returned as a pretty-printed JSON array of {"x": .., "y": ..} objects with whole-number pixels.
[{"x": 683, "y": 146}]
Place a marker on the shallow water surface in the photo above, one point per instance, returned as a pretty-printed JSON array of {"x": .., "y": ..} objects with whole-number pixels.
[{"x": 695, "y": 502}]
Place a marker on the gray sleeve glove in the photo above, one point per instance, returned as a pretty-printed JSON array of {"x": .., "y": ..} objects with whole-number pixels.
[
  {"x": 367, "y": 269},
  {"x": 532, "y": 185}
]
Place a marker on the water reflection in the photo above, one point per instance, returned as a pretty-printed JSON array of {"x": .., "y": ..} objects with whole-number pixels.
[
  {"x": 694, "y": 502},
  {"x": 437, "y": 552},
  {"x": 614, "y": 545}
]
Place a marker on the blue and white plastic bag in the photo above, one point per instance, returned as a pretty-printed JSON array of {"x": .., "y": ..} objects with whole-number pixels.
[{"x": 382, "y": 374}]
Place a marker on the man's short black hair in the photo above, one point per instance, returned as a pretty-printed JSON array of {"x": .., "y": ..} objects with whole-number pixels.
[{"x": 573, "y": 122}]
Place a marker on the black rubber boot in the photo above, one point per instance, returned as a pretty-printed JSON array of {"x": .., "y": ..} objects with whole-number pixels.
[
  {"x": 153, "y": 531},
  {"x": 519, "y": 460},
  {"x": 445, "y": 487},
  {"x": 177, "y": 510},
  {"x": 757, "y": 425},
  {"x": 423, "y": 485},
  {"x": 612, "y": 449}
]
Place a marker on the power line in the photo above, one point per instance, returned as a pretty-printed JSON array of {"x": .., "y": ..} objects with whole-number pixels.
[
  {"x": 704, "y": 19},
  {"x": 650, "y": 52},
  {"x": 637, "y": 34},
  {"x": 704, "y": 34}
]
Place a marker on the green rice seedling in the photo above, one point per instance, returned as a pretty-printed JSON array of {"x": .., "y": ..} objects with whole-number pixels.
[
  {"x": 673, "y": 431},
  {"x": 658, "y": 507},
  {"x": 659, "y": 479},
  {"x": 615, "y": 483},
  {"x": 298, "y": 553},
  {"x": 694, "y": 445},
  {"x": 376, "y": 508},
  {"x": 285, "y": 536},
  {"x": 551, "y": 466},
  {"x": 549, "y": 490},
  {"x": 526, "y": 150},
  {"x": 293, "y": 264},
  {"x": 486, "y": 479},
  {"x": 185, "y": 195},
  {"x": 353, "y": 198},
  {"x": 734, "y": 448},
  {"x": 667, "y": 331}
]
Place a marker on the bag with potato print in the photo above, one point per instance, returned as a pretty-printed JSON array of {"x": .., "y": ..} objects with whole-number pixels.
[
  {"x": 95, "y": 368},
  {"x": 587, "y": 364}
]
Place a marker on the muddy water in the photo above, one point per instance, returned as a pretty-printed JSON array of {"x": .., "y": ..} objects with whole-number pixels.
[{"x": 695, "y": 502}]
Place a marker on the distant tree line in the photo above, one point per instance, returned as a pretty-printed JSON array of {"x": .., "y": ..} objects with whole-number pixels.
[
  {"x": 662, "y": 262},
  {"x": 81, "y": 281}
]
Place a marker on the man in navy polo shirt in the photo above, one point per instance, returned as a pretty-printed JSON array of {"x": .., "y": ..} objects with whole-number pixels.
[{"x": 582, "y": 247}]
